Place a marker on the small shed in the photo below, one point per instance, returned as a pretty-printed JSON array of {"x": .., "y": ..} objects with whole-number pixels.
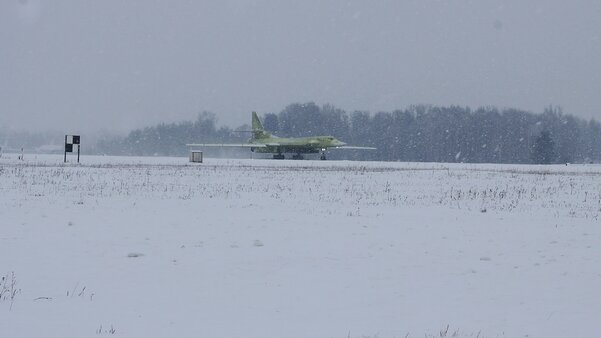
[{"x": 196, "y": 156}]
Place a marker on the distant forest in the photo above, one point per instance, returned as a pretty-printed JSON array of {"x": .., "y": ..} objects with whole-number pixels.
[{"x": 418, "y": 133}]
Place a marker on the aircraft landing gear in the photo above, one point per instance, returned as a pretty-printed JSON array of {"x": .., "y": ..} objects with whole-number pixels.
[
  {"x": 297, "y": 157},
  {"x": 322, "y": 155},
  {"x": 278, "y": 156}
]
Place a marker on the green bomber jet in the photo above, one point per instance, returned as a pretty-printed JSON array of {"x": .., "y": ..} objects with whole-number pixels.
[{"x": 264, "y": 142}]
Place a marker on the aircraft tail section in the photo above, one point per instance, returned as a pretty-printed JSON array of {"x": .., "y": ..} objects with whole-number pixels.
[
  {"x": 257, "y": 128},
  {"x": 256, "y": 123}
]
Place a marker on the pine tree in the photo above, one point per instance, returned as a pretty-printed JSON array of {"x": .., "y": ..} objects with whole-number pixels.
[{"x": 543, "y": 151}]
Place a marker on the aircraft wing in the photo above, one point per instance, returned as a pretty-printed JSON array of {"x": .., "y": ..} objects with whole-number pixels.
[
  {"x": 235, "y": 145},
  {"x": 355, "y": 147}
]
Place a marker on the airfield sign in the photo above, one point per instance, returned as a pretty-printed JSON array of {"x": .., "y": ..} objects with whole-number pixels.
[{"x": 72, "y": 142}]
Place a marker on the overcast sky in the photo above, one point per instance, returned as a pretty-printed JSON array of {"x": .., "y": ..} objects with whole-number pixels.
[{"x": 95, "y": 65}]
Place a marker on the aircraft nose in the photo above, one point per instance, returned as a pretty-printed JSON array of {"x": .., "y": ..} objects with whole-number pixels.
[{"x": 340, "y": 143}]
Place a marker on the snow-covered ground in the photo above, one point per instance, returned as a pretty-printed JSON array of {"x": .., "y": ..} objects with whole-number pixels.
[{"x": 159, "y": 247}]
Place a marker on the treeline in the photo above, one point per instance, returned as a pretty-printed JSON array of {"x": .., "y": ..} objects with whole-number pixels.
[
  {"x": 170, "y": 139},
  {"x": 418, "y": 133}
]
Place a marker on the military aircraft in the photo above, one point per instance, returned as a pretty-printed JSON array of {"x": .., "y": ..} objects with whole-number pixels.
[{"x": 264, "y": 142}]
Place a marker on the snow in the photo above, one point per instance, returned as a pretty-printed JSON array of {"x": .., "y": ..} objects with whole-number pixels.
[{"x": 159, "y": 247}]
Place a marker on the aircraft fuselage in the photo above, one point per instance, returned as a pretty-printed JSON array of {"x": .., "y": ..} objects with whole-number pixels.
[{"x": 297, "y": 145}]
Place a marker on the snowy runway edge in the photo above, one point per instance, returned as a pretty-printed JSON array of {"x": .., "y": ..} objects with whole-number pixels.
[{"x": 156, "y": 247}]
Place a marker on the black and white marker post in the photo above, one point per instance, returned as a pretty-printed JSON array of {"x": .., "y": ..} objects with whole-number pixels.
[{"x": 70, "y": 141}]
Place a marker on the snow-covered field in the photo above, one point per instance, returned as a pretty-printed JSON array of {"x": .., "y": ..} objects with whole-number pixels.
[{"x": 159, "y": 247}]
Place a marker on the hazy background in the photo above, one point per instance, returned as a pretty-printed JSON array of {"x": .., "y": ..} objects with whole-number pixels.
[{"x": 85, "y": 66}]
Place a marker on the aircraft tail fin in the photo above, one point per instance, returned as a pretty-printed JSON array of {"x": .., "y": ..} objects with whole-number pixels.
[{"x": 257, "y": 128}]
